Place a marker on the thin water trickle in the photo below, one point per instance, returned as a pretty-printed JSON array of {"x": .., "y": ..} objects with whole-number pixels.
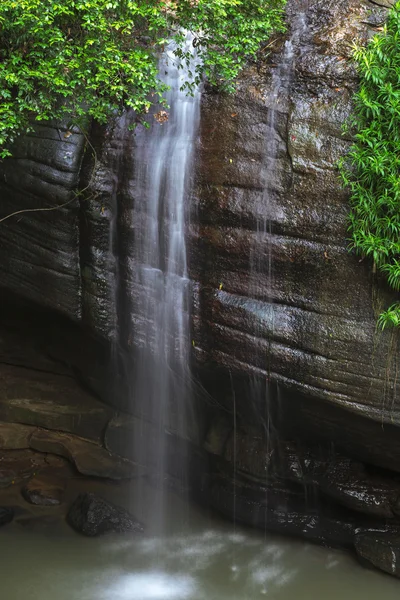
[
  {"x": 163, "y": 165},
  {"x": 261, "y": 253}
]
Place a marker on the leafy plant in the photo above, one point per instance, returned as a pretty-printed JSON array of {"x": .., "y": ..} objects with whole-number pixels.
[
  {"x": 92, "y": 58},
  {"x": 372, "y": 167}
]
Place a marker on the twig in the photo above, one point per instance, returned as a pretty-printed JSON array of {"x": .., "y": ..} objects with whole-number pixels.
[{"x": 26, "y": 210}]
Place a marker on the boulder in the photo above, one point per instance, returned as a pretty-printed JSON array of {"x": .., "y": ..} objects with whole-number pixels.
[
  {"x": 381, "y": 548},
  {"x": 44, "y": 490},
  {"x": 48, "y": 400},
  {"x": 92, "y": 515},
  {"x": 89, "y": 458},
  {"x": 6, "y": 515}
]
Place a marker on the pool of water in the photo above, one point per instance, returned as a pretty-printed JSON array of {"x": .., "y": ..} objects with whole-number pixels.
[{"x": 196, "y": 557}]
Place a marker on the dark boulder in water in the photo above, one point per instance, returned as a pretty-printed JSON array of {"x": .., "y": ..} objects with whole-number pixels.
[
  {"x": 6, "y": 515},
  {"x": 92, "y": 515},
  {"x": 380, "y": 548}
]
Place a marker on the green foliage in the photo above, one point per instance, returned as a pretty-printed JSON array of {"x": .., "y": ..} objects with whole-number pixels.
[
  {"x": 372, "y": 168},
  {"x": 80, "y": 58}
]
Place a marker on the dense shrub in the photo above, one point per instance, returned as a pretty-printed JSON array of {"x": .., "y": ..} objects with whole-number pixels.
[
  {"x": 372, "y": 168},
  {"x": 81, "y": 58}
]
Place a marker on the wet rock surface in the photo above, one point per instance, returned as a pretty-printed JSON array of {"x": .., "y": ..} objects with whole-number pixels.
[
  {"x": 92, "y": 515},
  {"x": 6, "y": 516},
  {"x": 51, "y": 401},
  {"x": 44, "y": 490},
  {"x": 40, "y": 251},
  {"x": 18, "y": 466},
  {"x": 284, "y": 316},
  {"x": 307, "y": 321},
  {"x": 381, "y": 549},
  {"x": 314, "y": 469},
  {"x": 89, "y": 458},
  {"x": 280, "y": 509},
  {"x": 14, "y": 436}
]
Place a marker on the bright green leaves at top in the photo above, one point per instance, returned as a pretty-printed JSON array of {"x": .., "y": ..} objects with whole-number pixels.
[
  {"x": 372, "y": 167},
  {"x": 229, "y": 32},
  {"x": 93, "y": 58}
]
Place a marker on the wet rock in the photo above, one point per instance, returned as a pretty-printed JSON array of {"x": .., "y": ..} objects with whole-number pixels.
[
  {"x": 250, "y": 452},
  {"x": 381, "y": 549},
  {"x": 17, "y": 466},
  {"x": 7, "y": 478},
  {"x": 324, "y": 474},
  {"x": 43, "y": 247},
  {"x": 307, "y": 324},
  {"x": 44, "y": 490},
  {"x": 348, "y": 482},
  {"x": 343, "y": 479},
  {"x": 14, "y": 436},
  {"x": 6, "y": 515},
  {"x": 34, "y": 398},
  {"x": 217, "y": 435},
  {"x": 92, "y": 515},
  {"x": 88, "y": 457},
  {"x": 140, "y": 441},
  {"x": 128, "y": 436},
  {"x": 280, "y": 509}
]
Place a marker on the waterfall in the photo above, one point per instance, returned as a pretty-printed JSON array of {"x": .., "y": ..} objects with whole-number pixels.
[{"x": 160, "y": 329}]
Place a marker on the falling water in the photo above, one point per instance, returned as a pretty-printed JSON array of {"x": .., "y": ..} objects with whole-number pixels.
[
  {"x": 164, "y": 158},
  {"x": 261, "y": 257}
]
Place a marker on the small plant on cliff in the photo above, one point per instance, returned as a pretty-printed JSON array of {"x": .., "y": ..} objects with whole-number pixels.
[
  {"x": 372, "y": 167},
  {"x": 79, "y": 58}
]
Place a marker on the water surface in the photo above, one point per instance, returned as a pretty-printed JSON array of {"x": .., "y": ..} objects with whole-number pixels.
[{"x": 198, "y": 557}]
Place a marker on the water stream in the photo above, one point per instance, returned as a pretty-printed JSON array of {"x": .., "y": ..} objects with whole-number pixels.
[
  {"x": 163, "y": 166},
  {"x": 261, "y": 271}
]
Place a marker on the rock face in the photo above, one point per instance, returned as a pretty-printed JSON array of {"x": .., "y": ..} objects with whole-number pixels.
[
  {"x": 280, "y": 299},
  {"x": 43, "y": 173},
  {"x": 381, "y": 549},
  {"x": 88, "y": 458},
  {"x": 284, "y": 317},
  {"x": 92, "y": 515},
  {"x": 57, "y": 261},
  {"x": 52, "y": 402}
]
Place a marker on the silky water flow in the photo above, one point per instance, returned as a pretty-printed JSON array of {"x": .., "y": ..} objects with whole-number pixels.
[
  {"x": 263, "y": 395},
  {"x": 161, "y": 330}
]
